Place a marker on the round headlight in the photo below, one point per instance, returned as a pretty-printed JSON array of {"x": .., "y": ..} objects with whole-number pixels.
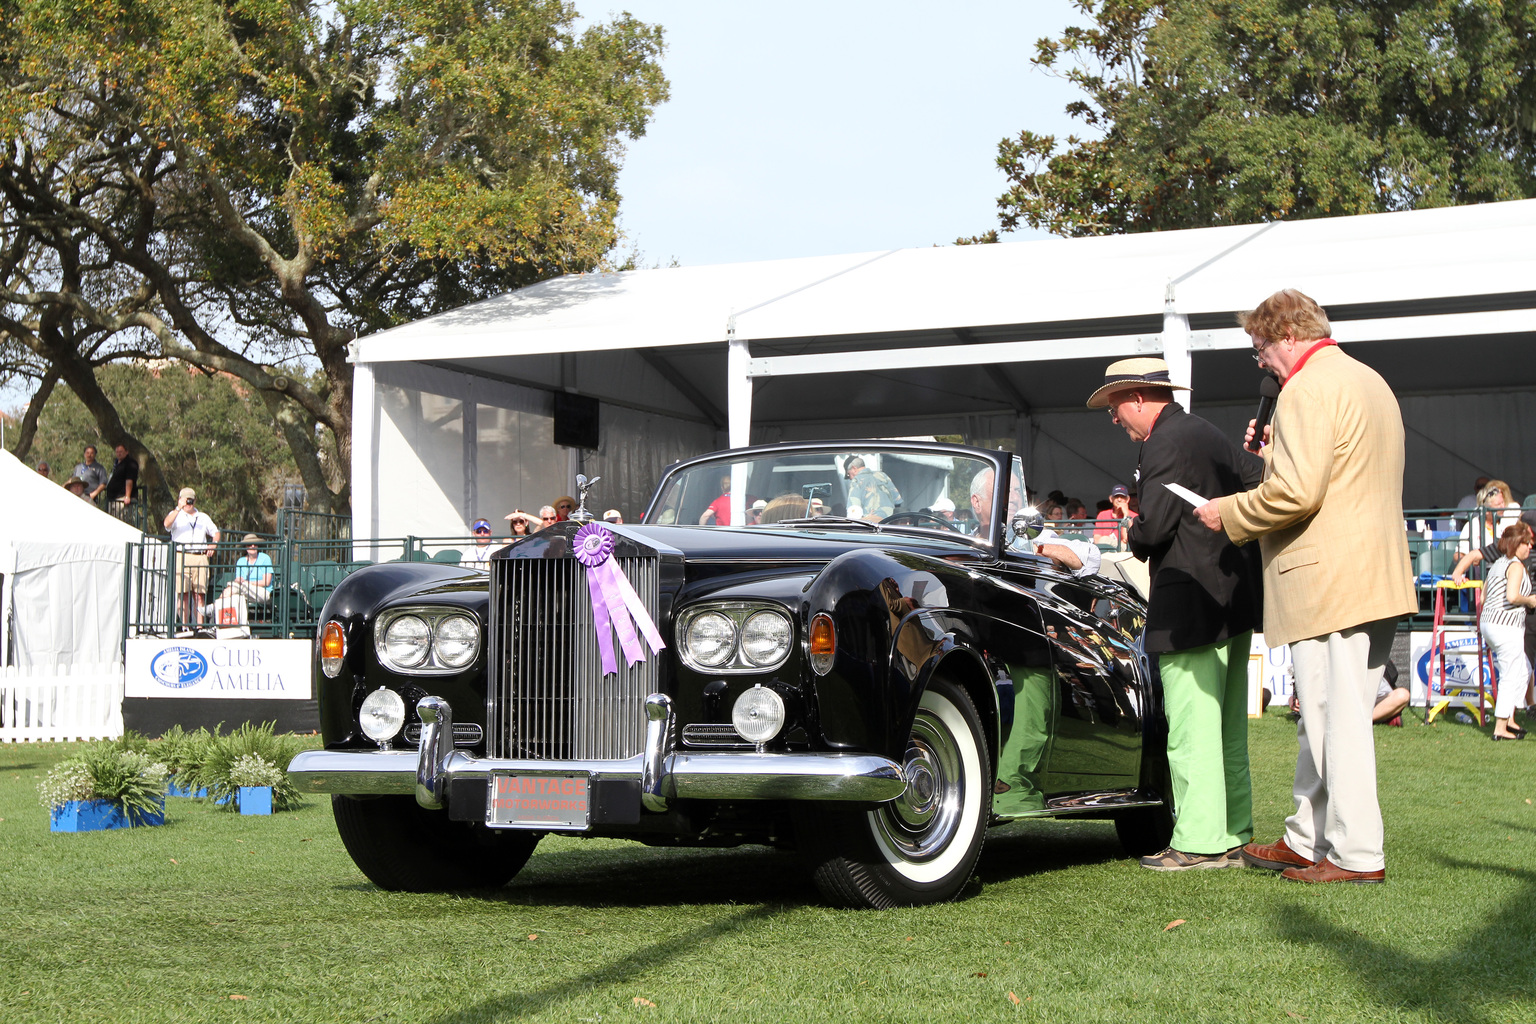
[
  {"x": 765, "y": 638},
  {"x": 710, "y": 639},
  {"x": 456, "y": 641},
  {"x": 382, "y": 714},
  {"x": 407, "y": 641},
  {"x": 758, "y": 714}
]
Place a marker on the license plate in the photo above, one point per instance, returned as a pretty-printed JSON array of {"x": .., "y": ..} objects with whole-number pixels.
[{"x": 540, "y": 801}]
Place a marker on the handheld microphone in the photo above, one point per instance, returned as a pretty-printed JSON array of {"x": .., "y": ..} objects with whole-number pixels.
[{"x": 1269, "y": 391}]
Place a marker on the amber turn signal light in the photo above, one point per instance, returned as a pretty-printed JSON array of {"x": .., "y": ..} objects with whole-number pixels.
[
  {"x": 333, "y": 649},
  {"x": 823, "y": 643}
]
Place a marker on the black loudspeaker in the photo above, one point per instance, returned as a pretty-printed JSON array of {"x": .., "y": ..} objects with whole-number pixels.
[{"x": 575, "y": 420}]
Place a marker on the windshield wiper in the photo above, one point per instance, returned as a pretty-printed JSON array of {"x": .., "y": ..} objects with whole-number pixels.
[{"x": 827, "y": 521}]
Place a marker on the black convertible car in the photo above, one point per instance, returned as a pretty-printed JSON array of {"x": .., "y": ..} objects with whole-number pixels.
[{"x": 803, "y": 645}]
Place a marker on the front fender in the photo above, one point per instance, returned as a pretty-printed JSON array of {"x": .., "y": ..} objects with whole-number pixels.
[
  {"x": 355, "y": 604},
  {"x": 899, "y": 617}
]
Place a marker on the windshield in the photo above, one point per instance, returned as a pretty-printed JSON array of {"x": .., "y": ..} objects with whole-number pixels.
[{"x": 932, "y": 490}]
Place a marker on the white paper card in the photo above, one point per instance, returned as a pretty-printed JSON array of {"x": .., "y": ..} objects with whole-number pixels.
[{"x": 1188, "y": 495}]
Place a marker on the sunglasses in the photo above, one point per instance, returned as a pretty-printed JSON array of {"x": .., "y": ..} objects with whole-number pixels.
[
  {"x": 548, "y": 519},
  {"x": 483, "y": 529}
]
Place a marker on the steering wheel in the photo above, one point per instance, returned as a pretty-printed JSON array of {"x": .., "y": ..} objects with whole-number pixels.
[{"x": 919, "y": 519}]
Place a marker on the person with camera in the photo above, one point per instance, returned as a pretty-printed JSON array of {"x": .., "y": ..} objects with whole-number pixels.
[{"x": 194, "y": 535}]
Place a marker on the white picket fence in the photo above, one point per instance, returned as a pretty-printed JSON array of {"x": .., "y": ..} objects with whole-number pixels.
[{"x": 76, "y": 702}]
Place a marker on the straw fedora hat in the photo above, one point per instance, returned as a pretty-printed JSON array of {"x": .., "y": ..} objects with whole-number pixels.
[{"x": 1128, "y": 374}]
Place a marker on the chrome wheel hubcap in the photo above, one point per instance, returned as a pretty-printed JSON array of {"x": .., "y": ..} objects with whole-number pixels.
[{"x": 923, "y": 820}]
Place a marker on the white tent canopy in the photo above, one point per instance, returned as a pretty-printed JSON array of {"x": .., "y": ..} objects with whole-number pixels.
[
  {"x": 63, "y": 561},
  {"x": 989, "y": 341}
]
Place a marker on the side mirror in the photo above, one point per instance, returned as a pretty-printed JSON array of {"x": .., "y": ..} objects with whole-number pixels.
[{"x": 1027, "y": 524}]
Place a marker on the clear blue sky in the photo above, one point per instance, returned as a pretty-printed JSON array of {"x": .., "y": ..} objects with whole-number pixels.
[{"x": 803, "y": 129}]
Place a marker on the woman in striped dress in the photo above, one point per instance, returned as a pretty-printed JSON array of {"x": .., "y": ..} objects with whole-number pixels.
[{"x": 1506, "y": 596}]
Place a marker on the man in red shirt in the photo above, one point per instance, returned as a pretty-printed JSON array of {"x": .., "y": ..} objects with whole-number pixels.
[{"x": 1111, "y": 524}]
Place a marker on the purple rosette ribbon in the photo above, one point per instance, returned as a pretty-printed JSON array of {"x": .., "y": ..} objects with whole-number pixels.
[{"x": 615, "y": 605}]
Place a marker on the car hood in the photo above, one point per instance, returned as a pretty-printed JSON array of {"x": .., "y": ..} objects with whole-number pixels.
[{"x": 759, "y": 543}]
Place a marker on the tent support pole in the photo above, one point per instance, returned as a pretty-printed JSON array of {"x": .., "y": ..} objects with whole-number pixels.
[
  {"x": 364, "y": 430},
  {"x": 1176, "y": 345},
  {"x": 738, "y": 387}
]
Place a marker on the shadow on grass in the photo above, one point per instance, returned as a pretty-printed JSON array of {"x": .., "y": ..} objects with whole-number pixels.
[
  {"x": 639, "y": 964},
  {"x": 641, "y": 876},
  {"x": 1472, "y": 981},
  {"x": 1038, "y": 847},
  {"x": 637, "y": 876}
]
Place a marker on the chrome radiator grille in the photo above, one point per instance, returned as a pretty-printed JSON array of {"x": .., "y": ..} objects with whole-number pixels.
[{"x": 547, "y": 697}]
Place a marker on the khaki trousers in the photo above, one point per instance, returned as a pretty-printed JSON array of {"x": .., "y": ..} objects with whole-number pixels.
[{"x": 1337, "y": 815}]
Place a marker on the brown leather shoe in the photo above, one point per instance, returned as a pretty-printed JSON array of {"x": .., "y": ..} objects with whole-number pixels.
[
  {"x": 1326, "y": 870},
  {"x": 1274, "y": 857}
]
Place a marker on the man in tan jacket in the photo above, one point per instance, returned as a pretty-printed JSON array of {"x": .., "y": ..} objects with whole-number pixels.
[{"x": 1328, "y": 516}]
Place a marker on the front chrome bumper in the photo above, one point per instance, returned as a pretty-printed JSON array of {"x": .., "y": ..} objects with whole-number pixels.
[{"x": 663, "y": 773}]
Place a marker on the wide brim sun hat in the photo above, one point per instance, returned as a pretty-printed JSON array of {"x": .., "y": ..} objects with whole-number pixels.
[{"x": 1128, "y": 374}]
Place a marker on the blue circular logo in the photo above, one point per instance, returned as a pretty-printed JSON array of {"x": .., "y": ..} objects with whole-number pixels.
[{"x": 178, "y": 667}]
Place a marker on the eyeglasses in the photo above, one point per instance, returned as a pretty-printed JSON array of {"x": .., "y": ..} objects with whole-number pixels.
[{"x": 1258, "y": 353}]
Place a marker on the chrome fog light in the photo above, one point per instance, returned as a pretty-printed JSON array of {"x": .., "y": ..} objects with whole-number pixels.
[
  {"x": 758, "y": 715},
  {"x": 710, "y": 639},
  {"x": 456, "y": 641},
  {"x": 765, "y": 637},
  {"x": 382, "y": 715}
]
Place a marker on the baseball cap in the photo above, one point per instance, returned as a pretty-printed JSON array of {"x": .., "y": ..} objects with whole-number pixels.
[
  {"x": 481, "y": 524},
  {"x": 760, "y": 504},
  {"x": 943, "y": 505},
  {"x": 1119, "y": 491},
  {"x": 187, "y": 492},
  {"x": 612, "y": 515}
]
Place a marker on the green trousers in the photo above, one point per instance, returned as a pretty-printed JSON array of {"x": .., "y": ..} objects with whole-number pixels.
[
  {"x": 1022, "y": 758},
  {"x": 1205, "y": 695}
]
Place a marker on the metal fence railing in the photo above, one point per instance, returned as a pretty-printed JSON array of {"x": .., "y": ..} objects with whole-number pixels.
[{"x": 168, "y": 593}]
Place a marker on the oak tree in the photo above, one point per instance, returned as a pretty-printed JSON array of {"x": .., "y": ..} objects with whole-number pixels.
[
  {"x": 1202, "y": 112},
  {"x": 249, "y": 185}
]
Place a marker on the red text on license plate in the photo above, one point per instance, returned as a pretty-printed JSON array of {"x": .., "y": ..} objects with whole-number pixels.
[{"x": 540, "y": 801}]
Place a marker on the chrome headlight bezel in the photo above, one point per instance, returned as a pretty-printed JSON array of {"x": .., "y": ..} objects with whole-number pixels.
[
  {"x": 438, "y": 662},
  {"x": 737, "y": 612}
]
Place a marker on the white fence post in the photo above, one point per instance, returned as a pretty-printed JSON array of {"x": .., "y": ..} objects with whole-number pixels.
[{"x": 72, "y": 702}]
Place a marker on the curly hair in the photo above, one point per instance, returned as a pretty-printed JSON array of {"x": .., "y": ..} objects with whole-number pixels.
[{"x": 1286, "y": 313}]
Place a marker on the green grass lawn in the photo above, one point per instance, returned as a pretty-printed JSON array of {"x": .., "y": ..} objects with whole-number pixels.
[{"x": 170, "y": 923}]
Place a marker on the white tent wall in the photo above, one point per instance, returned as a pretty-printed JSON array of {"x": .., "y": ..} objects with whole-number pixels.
[
  {"x": 635, "y": 448},
  {"x": 68, "y": 600},
  {"x": 63, "y": 561},
  {"x": 452, "y": 446}
]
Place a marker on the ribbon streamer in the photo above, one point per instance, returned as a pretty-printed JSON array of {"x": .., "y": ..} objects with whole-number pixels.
[{"x": 614, "y": 602}]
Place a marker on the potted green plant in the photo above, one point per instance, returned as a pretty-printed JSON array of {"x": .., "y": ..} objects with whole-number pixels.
[
  {"x": 104, "y": 786},
  {"x": 183, "y": 753},
  {"x": 249, "y": 747},
  {"x": 254, "y": 779}
]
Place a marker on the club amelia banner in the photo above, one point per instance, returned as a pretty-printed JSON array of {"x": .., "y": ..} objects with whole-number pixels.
[{"x": 220, "y": 669}]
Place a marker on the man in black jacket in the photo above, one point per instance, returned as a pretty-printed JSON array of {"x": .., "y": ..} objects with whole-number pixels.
[{"x": 1203, "y": 608}]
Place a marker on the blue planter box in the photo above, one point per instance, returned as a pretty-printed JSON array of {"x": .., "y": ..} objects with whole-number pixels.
[
  {"x": 255, "y": 799},
  {"x": 94, "y": 815},
  {"x": 175, "y": 790}
]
